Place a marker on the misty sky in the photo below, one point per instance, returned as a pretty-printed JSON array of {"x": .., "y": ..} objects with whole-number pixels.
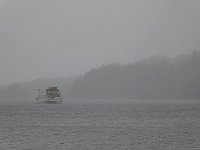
[{"x": 52, "y": 38}]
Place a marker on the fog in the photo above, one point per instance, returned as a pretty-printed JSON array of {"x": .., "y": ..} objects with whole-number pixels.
[{"x": 48, "y": 38}]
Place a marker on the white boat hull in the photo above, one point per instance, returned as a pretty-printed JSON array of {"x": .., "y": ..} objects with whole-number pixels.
[{"x": 56, "y": 100}]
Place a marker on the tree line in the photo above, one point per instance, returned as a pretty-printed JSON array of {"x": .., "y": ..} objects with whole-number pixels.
[
  {"x": 154, "y": 78},
  {"x": 157, "y": 77}
]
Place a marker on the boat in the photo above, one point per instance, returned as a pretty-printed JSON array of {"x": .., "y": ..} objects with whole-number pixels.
[{"x": 51, "y": 95}]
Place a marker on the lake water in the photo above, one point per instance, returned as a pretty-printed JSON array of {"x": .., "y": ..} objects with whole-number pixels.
[{"x": 101, "y": 126}]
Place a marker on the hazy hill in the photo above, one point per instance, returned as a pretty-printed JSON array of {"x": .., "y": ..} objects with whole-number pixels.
[
  {"x": 155, "y": 77},
  {"x": 29, "y": 90}
]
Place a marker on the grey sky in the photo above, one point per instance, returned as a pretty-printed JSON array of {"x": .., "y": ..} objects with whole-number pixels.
[{"x": 50, "y": 38}]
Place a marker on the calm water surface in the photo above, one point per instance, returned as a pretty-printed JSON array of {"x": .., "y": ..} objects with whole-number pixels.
[{"x": 100, "y": 126}]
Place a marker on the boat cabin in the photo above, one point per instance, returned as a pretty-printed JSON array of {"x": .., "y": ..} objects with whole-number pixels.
[{"x": 53, "y": 92}]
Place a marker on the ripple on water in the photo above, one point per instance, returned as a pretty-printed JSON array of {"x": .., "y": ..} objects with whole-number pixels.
[{"x": 101, "y": 126}]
